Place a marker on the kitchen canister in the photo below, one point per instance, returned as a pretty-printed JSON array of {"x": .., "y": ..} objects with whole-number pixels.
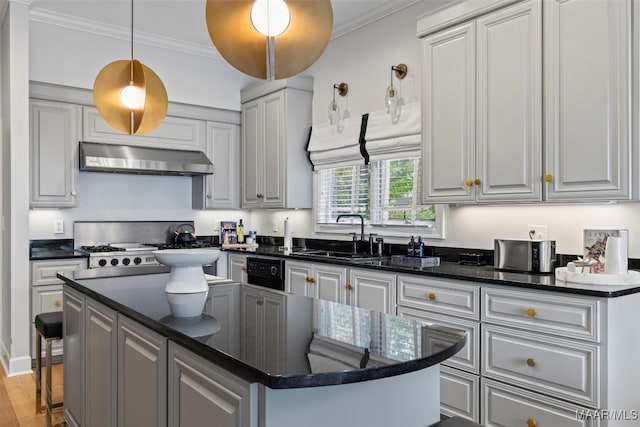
[
  {"x": 615, "y": 256},
  {"x": 288, "y": 237}
]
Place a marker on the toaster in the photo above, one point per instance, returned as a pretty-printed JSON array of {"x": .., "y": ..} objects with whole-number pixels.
[{"x": 530, "y": 256}]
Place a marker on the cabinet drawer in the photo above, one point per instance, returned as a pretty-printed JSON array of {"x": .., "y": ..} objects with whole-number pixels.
[
  {"x": 505, "y": 406},
  {"x": 44, "y": 272},
  {"x": 46, "y": 299},
  {"x": 439, "y": 295},
  {"x": 459, "y": 394},
  {"x": 554, "y": 314},
  {"x": 562, "y": 368},
  {"x": 468, "y": 358}
]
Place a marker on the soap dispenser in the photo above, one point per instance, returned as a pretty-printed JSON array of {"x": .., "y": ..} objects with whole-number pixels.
[{"x": 412, "y": 247}]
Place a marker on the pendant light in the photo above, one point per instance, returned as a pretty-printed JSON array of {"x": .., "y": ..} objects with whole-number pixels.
[
  {"x": 270, "y": 39},
  {"x": 129, "y": 95}
]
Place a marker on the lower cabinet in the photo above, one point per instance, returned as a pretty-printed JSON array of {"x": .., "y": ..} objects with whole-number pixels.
[
  {"x": 201, "y": 393},
  {"x": 323, "y": 281},
  {"x": 372, "y": 289},
  {"x": 459, "y": 393},
  {"x": 101, "y": 377},
  {"x": 142, "y": 376},
  {"x": 237, "y": 269}
]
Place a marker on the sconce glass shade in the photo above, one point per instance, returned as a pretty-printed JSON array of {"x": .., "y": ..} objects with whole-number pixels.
[
  {"x": 270, "y": 17},
  {"x": 391, "y": 101},
  {"x": 119, "y": 78},
  {"x": 334, "y": 113},
  {"x": 245, "y": 48}
]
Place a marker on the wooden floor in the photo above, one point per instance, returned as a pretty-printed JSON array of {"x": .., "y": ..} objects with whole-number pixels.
[{"x": 18, "y": 396}]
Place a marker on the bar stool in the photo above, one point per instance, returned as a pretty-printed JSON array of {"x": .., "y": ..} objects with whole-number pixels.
[{"x": 49, "y": 328}]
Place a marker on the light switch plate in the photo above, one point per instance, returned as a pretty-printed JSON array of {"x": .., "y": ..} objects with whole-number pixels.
[{"x": 58, "y": 226}]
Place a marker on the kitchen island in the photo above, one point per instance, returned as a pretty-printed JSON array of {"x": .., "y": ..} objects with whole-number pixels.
[{"x": 255, "y": 357}]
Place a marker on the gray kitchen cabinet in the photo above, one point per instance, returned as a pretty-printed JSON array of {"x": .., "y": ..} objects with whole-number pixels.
[
  {"x": 588, "y": 59},
  {"x": 201, "y": 393},
  {"x": 46, "y": 292},
  {"x": 54, "y": 135},
  {"x": 276, "y": 119},
  {"x": 237, "y": 269},
  {"x": 372, "y": 290},
  {"x": 142, "y": 375},
  {"x": 323, "y": 281},
  {"x": 177, "y": 133},
  {"x": 482, "y": 108},
  {"x": 101, "y": 376},
  {"x": 222, "y": 189},
  {"x": 73, "y": 330}
]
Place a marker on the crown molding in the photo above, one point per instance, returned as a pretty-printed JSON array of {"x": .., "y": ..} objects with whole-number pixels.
[
  {"x": 121, "y": 33},
  {"x": 388, "y": 8}
]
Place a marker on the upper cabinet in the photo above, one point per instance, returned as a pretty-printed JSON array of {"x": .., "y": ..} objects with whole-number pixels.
[
  {"x": 174, "y": 132},
  {"x": 222, "y": 189},
  {"x": 276, "y": 119},
  {"x": 55, "y": 131},
  {"x": 482, "y": 109},
  {"x": 587, "y": 97}
]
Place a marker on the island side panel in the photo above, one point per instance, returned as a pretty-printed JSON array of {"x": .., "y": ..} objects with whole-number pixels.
[{"x": 408, "y": 400}]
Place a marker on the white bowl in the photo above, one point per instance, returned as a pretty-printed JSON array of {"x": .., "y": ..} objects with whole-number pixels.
[
  {"x": 187, "y": 257},
  {"x": 187, "y": 305}
]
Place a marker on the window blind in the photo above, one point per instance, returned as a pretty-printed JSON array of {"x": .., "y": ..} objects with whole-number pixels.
[{"x": 343, "y": 190}]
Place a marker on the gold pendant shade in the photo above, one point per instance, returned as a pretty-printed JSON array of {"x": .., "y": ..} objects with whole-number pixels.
[
  {"x": 299, "y": 46},
  {"x": 107, "y": 90}
]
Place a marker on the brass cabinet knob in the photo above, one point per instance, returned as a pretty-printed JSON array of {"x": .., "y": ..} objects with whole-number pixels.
[
  {"x": 243, "y": 267},
  {"x": 58, "y": 303},
  {"x": 477, "y": 181},
  {"x": 349, "y": 287},
  {"x": 311, "y": 280},
  {"x": 468, "y": 183},
  {"x": 531, "y": 362},
  {"x": 431, "y": 296},
  {"x": 548, "y": 177},
  {"x": 531, "y": 422},
  {"x": 531, "y": 312}
]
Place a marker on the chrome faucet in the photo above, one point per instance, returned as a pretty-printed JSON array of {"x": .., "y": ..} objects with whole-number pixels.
[{"x": 354, "y": 216}]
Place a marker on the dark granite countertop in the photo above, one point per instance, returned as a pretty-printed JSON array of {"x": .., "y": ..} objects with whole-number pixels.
[
  {"x": 451, "y": 270},
  {"x": 324, "y": 343},
  {"x": 53, "y": 249}
]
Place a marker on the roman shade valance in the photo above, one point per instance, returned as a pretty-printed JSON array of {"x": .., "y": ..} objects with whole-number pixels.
[
  {"x": 332, "y": 146},
  {"x": 394, "y": 139}
]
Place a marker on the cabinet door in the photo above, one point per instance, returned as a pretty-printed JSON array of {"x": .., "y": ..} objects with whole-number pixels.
[
  {"x": 329, "y": 282},
  {"x": 448, "y": 151},
  {"x": 100, "y": 365},
  {"x": 73, "y": 331},
  {"x": 298, "y": 278},
  {"x": 273, "y": 151},
  {"x": 587, "y": 89},
  {"x": 54, "y": 136},
  {"x": 252, "y": 324},
  {"x": 252, "y": 142},
  {"x": 509, "y": 127},
  {"x": 373, "y": 290},
  {"x": 202, "y": 394},
  {"x": 223, "y": 303},
  {"x": 46, "y": 272},
  {"x": 222, "y": 189},
  {"x": 142, "y": 376},
  {"x": 177, "y": 133},
  {"x": 273, "y": 307},
  {"x": 238, "y": 267}
]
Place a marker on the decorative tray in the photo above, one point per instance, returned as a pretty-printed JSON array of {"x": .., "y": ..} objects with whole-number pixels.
[
  {"x": 631, "y": 278},
  {"x": 239, "y": 245}
]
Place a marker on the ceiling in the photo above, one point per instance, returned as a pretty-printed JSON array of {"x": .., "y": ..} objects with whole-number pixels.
[{"x": 182, "y": 21}]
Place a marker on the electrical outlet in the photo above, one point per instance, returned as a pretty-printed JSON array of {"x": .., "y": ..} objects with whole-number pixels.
[
  {"x": 537, "y": 232},
  {"x": 58, "y": 226},
  {"x": 275, "y": 226}
]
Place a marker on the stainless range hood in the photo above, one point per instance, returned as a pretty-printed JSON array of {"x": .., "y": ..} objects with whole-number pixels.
[{"x": 96, "y": 157}]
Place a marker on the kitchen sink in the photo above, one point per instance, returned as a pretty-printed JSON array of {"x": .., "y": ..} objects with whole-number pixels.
[{"x": 360, "y": 258}]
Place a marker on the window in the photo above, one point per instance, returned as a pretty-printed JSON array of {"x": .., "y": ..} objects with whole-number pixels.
[{"x": 385, "y": 192}]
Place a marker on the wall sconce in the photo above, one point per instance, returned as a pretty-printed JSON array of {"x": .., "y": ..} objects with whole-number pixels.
[
  {"x": 391, "y": 95},
  {"x": 129, "y": 95},
  {"x": 270, "y": 39},
  {"x": 334, "y": 108}
]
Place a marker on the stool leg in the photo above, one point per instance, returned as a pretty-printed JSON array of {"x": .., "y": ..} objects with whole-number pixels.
[
  {"x": 38, "y": 372},
  {"x": 49, "y": 397}
]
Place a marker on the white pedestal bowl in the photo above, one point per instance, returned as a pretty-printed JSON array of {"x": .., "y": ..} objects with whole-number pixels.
[{"x": 187, "y": 288}]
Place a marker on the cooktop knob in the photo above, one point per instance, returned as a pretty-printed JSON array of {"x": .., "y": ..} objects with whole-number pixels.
[
  {"x": 114, "y": 262},
  {"x": 137, "y": 260},
  {"x": 126, "y": 261},
  {"x": 102, "y": 262}
]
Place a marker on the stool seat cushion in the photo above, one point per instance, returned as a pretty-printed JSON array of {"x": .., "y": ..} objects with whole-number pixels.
[
  {"x": 50, "y": 324},
  {"x": 456, "y": 422}
]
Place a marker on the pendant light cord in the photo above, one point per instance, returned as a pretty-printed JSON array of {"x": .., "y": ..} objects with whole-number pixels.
[{"x": 131, "y": 63}]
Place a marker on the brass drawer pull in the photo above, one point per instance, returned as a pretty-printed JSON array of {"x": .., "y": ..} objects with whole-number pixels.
[
  {"x": 431, "y": 296},
  {"x": 468, "y": 183},
  {"x": 548, "y": 178},
  {"x": 477, "y": 181},
  {"x": 243, "y": 267},
  {"x": 531, "y": 362},
  {"x": 531, "y": 312},
  {"x": 311, "y": 280},
  {"x": 531, "y": 422},
  {"x": 58, "y": 303},
  {"x": 349, "y": 287}
]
